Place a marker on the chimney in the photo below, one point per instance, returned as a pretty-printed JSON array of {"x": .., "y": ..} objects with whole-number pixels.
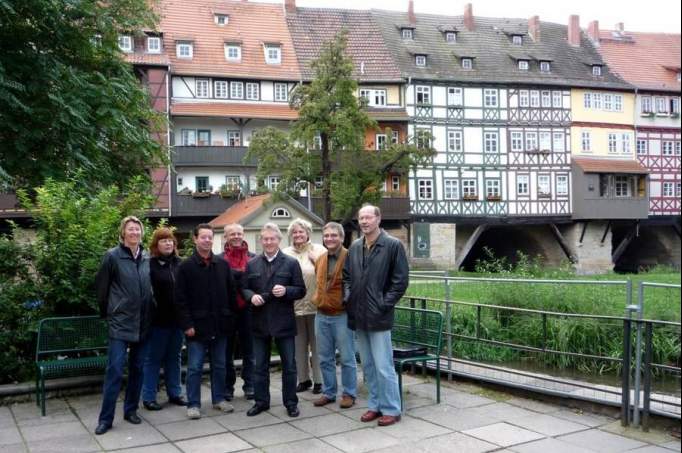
[
  {"x": 593, "y": 31},
  {"x": 534, "y": 28},
  {"x": 574, "y": 30},
  {"x": 469, "y": 17},
  {"x": 620, "y": 27},
  {"x": 410, "y": 13},
  {"x": 290, "y": 6}
]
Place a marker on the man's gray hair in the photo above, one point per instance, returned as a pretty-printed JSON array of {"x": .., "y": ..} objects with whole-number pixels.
[
  {"x": 377, "y": 211},
  {"x": 335, "y": 226},
  {"x": 272, "y": 227},
  {"x": 300, "y": 223},
  {"x": 231, "y": 226}
]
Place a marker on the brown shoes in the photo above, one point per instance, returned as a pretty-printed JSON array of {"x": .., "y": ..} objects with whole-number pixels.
[
  {"x": 347, "y": 401},
  {"x": 323, "y": 401},
  {"x": 388, "y": 420},
  {"x": 370, "y": 416}
]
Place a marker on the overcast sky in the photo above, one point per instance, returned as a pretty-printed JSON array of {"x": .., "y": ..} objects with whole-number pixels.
[{"x": 648, "y": 15}]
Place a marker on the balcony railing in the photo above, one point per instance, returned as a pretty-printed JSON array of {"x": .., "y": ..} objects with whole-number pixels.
[
  {"x": 189, "y": 206},
  {"x": 392, "y": 208},
  {"x": 199, "y": 156}
]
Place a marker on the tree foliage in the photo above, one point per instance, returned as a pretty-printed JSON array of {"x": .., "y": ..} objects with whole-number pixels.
[
  {"x": 68, "y": 100},
  {"x": 329, "y": 110}
]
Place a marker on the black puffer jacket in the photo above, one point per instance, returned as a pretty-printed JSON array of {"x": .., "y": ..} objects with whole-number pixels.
[
  {"x": 124, "y": 293},
  {"x": 164, "y": 271},
  {"x": 373, "y": 286},
  {"x": 205, "y": 297}
]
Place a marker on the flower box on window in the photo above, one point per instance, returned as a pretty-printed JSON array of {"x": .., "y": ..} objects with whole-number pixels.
[
  {"x": 538, "y": 151},
  {"x": 544, "y": 195},
  {"x": 646, "y": 114},
  {"x": 201, "y": 194},
  {"x": 469, "y": 197},
  {"x": 494, "y": 198}
]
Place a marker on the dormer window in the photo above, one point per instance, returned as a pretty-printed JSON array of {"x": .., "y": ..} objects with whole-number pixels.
[
  {"x": 596, "y": 70},
  {"x": 524, "y": 65},
  {"x": 184, "y": 49},
  {"x": 420, "y": 61},
  {"x": 233, "y": 52},
  {"x": 450, "y": 36},
  {"x": 153, "y": 44},
  {"x": 407, "y": 33},
  {"x": 545, "y": 66},
  {"x": 125, "y": 43},
  {"x": 467, "y": 63},
  {"x": 279, "y": 213},
  {"x": 517, "y": 40},
  {"x": 273, "y": 54},
  {"x": 679, "y": 76},
  {"x": 221, "y": 19}
]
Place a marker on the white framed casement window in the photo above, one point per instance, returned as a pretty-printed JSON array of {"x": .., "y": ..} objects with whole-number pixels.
[
  {"x": 375, "y": 98},
  {"x": 618, "y": 102},
  {"x": 234, "y": 138},
  {"x": 406, "y": 33},
  {"x": 668, "y": 189},
  {"x": 469, "y": 189},
  {"x": 365, "y": 93},
  {"x": 420, "y": 61},
  {"x": 562, "y": 185},
  {"x": 252, "y": 91},
  {"x": 613, "y": 143},
  {"x": 531, "y": 141},
  {"x": 546, "y": 98},
  {"x": 524, "y": 100},
  {"x": 625, "y": 144},
  {"x": 451, "y": 37},
  {"x": 490, "y": 98},
  {"x": 203, "y": 137},
  {"x": 467, "y": 63},
  {"x": 645, "y": 106},
  {"x": 622, "y": 186},
  {"x": 423, "y": 138},
  {"x": 380, "y": 141},
  {"x": 491, "y": 142},
  {"x": 273, "y": 54},
  {"x": 544, "y": 186},
  {"x": 455, "y": 96},
  {"x": 587, "y": 100},
  {"x": 423, "y": 95},
  {"x": 557, "y": 100},
  {"x": 273, "y": 183},
  {"x": 220, "y": 89},
  {"x": 188, "y": 137},
  {"x": 524, "y": 65},
  {"x": 642, "y": 147},
  {"x": 395, "y": 137},
  {"x": 545, "y": 66},
  {"x": 586, "y": 141},
  {"x": 675, "y": 105},
  {"x": 596, "y": 70},
  {"x": 221, "y": 19},
  {"x": 667, "y": 148},
  {"x": 596, "y": 101},
  {"x": 677, "y": 148},
  {"x": 425, "y": 189},
  {"x": 608, "y": 102},
  {"x": 236, "y": 90},
  {"x": 455, "y": 141},
  {"x": 451, "y": 189},
  {"x": 661, "y": 106},
  {"x": 232, "y": 182},
  {"x": 678, "y": 186},
  {"x": 558, "y": 142},
  {"x": 534, "y": 98},
  {"x": 281, "y": 92},
  {"x": 233, "y": 52},
  {"x": 395, "y": 183},
  {"x": 522, "y": 185},
  {"x": 153, "y": 44},
  {"x": 125, "y": 43},
  {"x": 545, "y": 141},
  {"x": 184, "y": 50},
  {"x": 201, "y": 184},
  {"x": 202, "y": 88},
  {"x": 516, "y": 140},
  {"x": 492, "y": 188},
  {"x": 517, "y": 40}
]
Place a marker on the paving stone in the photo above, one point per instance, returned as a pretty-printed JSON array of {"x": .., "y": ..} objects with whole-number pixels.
[
  {"x": 166, "y": 415},
  {"x": 25, "y": 411},
  {"x": 15, "y": 448},
  {"x": 651, "y": 449},
  {"x": 455, "y": 442},
  {"x": 158, "y": 448},
  {"x": 6, "y": 417},
  {"x": 503, "y": 411},
  {"x": 220, "y": 443},
  {"x": 308, "y": 445},
  {"x": 549, "y": 446},
  {"x": 601, "y": 441},
  {"x": 449, "y": 396},
  {"x": 503, "y": 434},
  {"x": 325, "y": 425},
  {"x": 674, "y": 445},
  {"x": 72, "y": 444},
  {"x": 409, "y": 447},
  {"x": 453, "y": 418},
  {"x": 49, "y": 419},
  {"x": 272, "y": 435},
  {"x": 533, "y": 405},
  {"x": 584, "y": 418},
  {"x": 651, "y": 436},
  {"x": 126, "y": 436},
  {"x": 36, "y": 433},
  {"x": 238, "y": 420},
  {"x": 412, "y": 402},
  {"x": 360, "y": 402},
  {"x": 361, "y": 440},
  {"x": 306, "y": 408},
  {"x": 547, "y": 425},
  {"x": 9, "y": 436},
  {"x": 413, "y": 429},
  {"x": 190, "y": 428},
  {"x": 85, "y": 401}
]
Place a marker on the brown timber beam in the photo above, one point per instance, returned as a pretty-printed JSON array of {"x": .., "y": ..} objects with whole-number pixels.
[
  {"x": 469, "y": 245},
  {"x": 618, "y": 252},
  {"x": 565, "y": 246}
]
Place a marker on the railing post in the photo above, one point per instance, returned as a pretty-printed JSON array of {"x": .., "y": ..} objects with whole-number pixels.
[
  {"x": 544, "y": 331},
  {"x": 638, "y": 353},
  {"x": 448, "y": 326},
  {"x": 478, "y": 322},
  {"x": 648, "y": 342},
  {"x": 625, "y": 382}
]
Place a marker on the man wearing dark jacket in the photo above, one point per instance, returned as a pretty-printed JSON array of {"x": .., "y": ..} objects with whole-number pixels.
[
  {"x": 124, "y": 295},
  {"x": 273, "y": 282},
  {"x": 375, "y": 277},
  {"x": 206, "y": 301}
]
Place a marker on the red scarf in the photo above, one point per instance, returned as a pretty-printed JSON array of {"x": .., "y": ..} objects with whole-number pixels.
[{"x": 237, "y": 257}]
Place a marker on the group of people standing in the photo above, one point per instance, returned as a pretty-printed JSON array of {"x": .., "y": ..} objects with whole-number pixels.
[{"x": 310, "y": 300}]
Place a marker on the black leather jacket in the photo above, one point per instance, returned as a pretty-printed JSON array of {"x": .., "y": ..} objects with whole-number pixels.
[
  {"x": 373, "y": 285},
  {"x": 124, "y": 293}
]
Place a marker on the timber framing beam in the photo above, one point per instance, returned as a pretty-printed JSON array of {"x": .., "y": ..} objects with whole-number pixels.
[
  {"x": 618, "y": 251},
  {"x": 565, "y": 246},
  {"x": 469, "y": 245}
]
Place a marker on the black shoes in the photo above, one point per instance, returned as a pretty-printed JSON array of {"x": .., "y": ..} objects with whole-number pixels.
[
  {"x": 293, "y": 411},
  {"x": 152, "y": 405},
  {"x": 256, "y": 409},
  {"x": 303, "y": 386},
  {"x": 102, "y": 428},
  {"x": 317, "y": 389},
  {"x": 132, "y": 417},
  {"x": 177, "y": 400}
]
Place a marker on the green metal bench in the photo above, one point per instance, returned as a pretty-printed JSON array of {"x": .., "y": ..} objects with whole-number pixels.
[
  {"x": 417, "y": 337},
  {"x": 67, "y": 347}
]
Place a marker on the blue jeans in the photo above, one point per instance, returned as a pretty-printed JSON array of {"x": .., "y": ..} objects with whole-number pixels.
[
  {"x": 163, "y": 349},
  {"x": 114, "y": 377},
  {"x": 332, "y": 333},
  {"x": 376, "y": 353},
  {"x": 195, "y": 365},
  {"x": 243, "y": 332},
  {"x": 261, "y": 376}
]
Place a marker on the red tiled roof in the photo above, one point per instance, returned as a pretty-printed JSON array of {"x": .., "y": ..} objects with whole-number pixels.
[
  {"x": 147, "y": 59},
  {"x": 234, "y": 110},
  {"x": 647, "y": 60},
  {"x": 252, "y": 24},
  {"x": 239, "y": 211},
  {"x": 595, "y": 165}
]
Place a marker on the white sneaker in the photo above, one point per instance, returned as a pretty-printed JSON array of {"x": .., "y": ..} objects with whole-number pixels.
[
  {"x": 224, "y": 406},
  {"x": 193, "y": 413}
]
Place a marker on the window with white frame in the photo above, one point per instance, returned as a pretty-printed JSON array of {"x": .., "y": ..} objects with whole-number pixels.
[
  {"x": 252, "y": 91},
  {"x": 558, "y": 142},
  {"x": 534, "y": 98},
  {"x": 234, "y": 138},
  {"x": 675, "y": 105},
  {"x": 469, "y": 188},
  {"x": 545, "y": 66},
  {"x": 455, "y": 141},
  {"x": 201, "y": 86},
  {"x": 203, "y": 137},
  {"x": 395, "y": 183},
  {"x": 450, "y": 36},
  {"x": 451, "y": 189},
  {"x": 273, "y": 54},
  {"x": 587, "y": 100},
  {"x": 622, "y": 186},
  {"x": 544, "y": 185},
  {"x": 375, "y": 98},
  {"x": 490, "y": 98},
  {"x": 273, "y": 181},
  {"x": 395, "y": 137},
  {"x": 661, "y": 106},
  {"x": 425, "y": 191},
  {"x": 562, "y": 185},
  {"x": 467, "y": 63},
  {"x": 523, "y": 98},
  {"x": 188, "y": 137},
  {"x": 677, "y": 148},
  {"x": 423, "y": 95},
  {"x": 557, "y": 99},
  {"x": 678, "y": 187},
  {"x": 237, "y": 90},
  {"x": 492, "y": 187},
  {"x": 668, "y": 189},
  {"x": 125, "y": 43},
  {"x": 490, "y": 142},
  {"x": 618, "y": 102},
  {"x": 153, "y": 44},
  {"x": 613, "y": 143},
  {"x": 516, "y": 140},
  {"x": 531, "y": 141},
  {"x": 280, "y": 212},
  {"x": 522, "y": 185},
  {"x": 455, "y": 96},
  {"x": 423, "y": 137},
  {"x": 380, "y": 141},
  {"x": 517, "y": 40},
  {"x": 667, "y": 148},
  {"x": 596, "y": 101},
  {"x": 221, "y": 19},
  {"x": 546, "y": 98},
  {"x": 645, "y": 106},
  {"x": 642, "y": 146},
  {"x": 406, "y": 33},
  {"x": 281, "y": 92},
  {"x": 201, "y": 184},
  {"x": 625, "y": 144},
  {"x": 232, "y": 182},
  {"x": 523, "y": 65},
  {"x": 184, "y": 50},
  {"x": 596, "y": 70},
  {"x": 608, "y": 102},
  {"x": 220, "y": 89},
  {"x": 586, "y": 141},
  {"x": 545, "y": 140},
  {"x": 420, "y": 61},
  {"x": 233, "y": 52}
]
